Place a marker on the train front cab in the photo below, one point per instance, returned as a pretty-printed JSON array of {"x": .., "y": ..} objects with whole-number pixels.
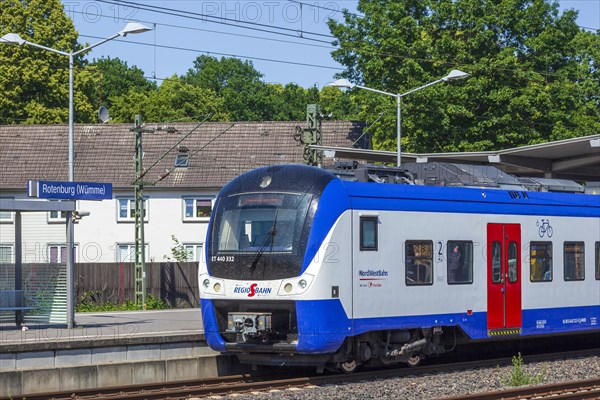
[{"x": 262, "y": 238}]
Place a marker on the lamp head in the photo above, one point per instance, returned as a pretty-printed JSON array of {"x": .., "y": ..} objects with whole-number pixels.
[
  {"x": 134, "y": 27},
  {"x": 342, "y": 83},
  {"x": 12, "y": 38},
  {"x": 455, "y": 75}
]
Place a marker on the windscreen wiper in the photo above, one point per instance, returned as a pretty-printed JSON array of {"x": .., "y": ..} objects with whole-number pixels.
[{"x": 270, "y": 236}]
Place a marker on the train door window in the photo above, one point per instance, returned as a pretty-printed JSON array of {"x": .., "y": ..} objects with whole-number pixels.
[
  {"x": 513, "y": 259},
  {"x": 540, "y": 261},
  {"x": 419, "y": 262},
  {"x": 460, "y": 262},
  {"x": 496, "y": 262},
  {"x": 368, "y": 233},
  {"x": 574, "y": 253},
  {"x": 598, "y": 260}
]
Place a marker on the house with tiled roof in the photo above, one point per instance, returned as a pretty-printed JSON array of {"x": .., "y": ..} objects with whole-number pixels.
[{"x": 183, "y": 176}]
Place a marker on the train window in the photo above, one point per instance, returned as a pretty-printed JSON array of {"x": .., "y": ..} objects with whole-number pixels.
[
  {"x": 540, "y": 261},
  {"x": 368, "y": 233},
  {"x": 419, "y": 262},
  {"x": 257, "y": 222},
  {"x": 513, "y": 260},
  {"x": 574, "y": 253},
  {"x": 496, "y": 262},
  {"x": 460, "y": 262},
  {"x": 598, "y": 260}
]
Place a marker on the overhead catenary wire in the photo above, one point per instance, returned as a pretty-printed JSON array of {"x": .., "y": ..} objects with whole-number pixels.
[
  {"x": 219, "y": 20},
  {"x": 437, "y": 62},
  {"x": 304, "y": 42},
  {"x": 372, "y": 52},
  {"x": 208, "y": 52},
  {"x": 168, "y": 172},
  {"x": 172, "y": 148}
]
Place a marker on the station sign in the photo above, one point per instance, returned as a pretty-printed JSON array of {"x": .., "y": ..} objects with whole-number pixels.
[{"x": 69, "y": 190}]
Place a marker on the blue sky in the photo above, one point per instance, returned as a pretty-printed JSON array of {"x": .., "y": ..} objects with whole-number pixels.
[{"x": 298, "y": 52}]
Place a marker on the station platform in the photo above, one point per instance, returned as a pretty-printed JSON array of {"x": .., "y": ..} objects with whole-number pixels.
[{"x": 108, "y": 349}]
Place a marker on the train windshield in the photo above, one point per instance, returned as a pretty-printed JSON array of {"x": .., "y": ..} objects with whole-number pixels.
[{"x": 253, "y": 223}]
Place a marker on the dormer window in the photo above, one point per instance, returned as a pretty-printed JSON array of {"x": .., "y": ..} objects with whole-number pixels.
[{"x": 182, "y": 160}]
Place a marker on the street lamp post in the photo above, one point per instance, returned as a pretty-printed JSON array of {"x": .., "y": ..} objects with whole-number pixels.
[
  {"x": 14, "y": 38},
  {"x": 453, "y": 75}
]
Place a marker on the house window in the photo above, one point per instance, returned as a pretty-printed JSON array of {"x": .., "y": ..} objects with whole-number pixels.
[
  {"x": 194, "y": 251},
  {"x": 182, "y": 160},
  {"x": 460, "y": 262},
  {"x": 197, "y": 209},
  {"x": 6, "y": 254},
  {"x": 126, "y": 210},
  {"x": 540, "y": 261},
  {"x": 57, "y": 253},
  {"x": 126, "y": 252},
  {"x": 368, "y": 233},
  {"x": 7, "y": 216},
  {"x": 574, "y": 261},
  {"x": 57, "y": 217},
  {"x": 419, "y": 262}
]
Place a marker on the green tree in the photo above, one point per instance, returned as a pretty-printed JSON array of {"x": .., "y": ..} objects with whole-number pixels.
[
  {"x": 173, "y": 100},
  {"x": 286, "y": 103},
  {"x": 339, "y": 105},
  {"x": 34, "y": 83},
  {"x": 118, "y": 79},
  {"x": 534, "y": 71},
  {"x": 236, "y": 81}
]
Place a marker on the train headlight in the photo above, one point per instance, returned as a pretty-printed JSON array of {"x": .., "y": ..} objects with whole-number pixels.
[
  {"x": 217, "y": 287},
  {"x": 288, "y": 287},
  {"x": 302, "y": 283},
  {"x": 206, "y": 283}
]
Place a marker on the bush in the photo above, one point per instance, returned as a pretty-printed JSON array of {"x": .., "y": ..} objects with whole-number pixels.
[
  {"x": 518, "y": 375},
  {"x": 87, "y": 303}
]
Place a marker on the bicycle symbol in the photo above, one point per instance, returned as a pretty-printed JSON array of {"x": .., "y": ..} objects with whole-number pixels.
[{"x": 544, "y": 227}]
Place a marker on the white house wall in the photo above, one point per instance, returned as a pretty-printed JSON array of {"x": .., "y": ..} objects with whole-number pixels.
[{"x": 98, "y": 234}]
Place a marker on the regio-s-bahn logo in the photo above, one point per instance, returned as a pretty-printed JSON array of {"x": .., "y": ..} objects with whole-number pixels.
[{"x": 252, "y": 290}]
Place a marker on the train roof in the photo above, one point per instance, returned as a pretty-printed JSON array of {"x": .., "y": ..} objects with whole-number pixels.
[{"x": 370, "y": 189}]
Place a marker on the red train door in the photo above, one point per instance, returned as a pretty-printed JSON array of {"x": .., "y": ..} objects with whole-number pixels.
[{"x": 504, "y": 279}]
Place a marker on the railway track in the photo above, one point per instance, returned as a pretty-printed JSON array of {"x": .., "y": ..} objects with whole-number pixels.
[
  {"x": 576, "y": 390},
  {"x": 250, "y": 383}
]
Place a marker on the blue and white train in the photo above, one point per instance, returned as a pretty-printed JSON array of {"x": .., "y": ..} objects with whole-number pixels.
[{"x": 304, "y": 268}]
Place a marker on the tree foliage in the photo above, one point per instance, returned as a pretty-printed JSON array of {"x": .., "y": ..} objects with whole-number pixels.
[
  {"x": 173, "y": 100},
  {"x": 34, "y": 83},
  {"x": 236, "y": 81},
  {"x": 246, "y": 96},
  {"x": 534, "y": 71},
  {"x": 118, "y": 79}
]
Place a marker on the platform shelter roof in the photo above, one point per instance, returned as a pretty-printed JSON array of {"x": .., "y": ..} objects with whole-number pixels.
[{"x": 576, "y": 158}]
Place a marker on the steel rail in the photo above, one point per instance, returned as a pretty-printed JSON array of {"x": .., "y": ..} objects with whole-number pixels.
[
  {"x": 572, "y": 390},
  {"x": 249, "y": 383}
]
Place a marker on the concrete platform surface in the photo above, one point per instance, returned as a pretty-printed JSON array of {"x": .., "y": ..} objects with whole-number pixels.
[{"x": 106, "y": 329}]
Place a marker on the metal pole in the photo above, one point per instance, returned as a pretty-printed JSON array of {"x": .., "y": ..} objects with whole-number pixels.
[
  {"x": 71, "y": 168},
  {"x": 70, "y": 272},
  {"x": 70, "y": 231},
  {"x": 18, "y": 262},
  {"x": 399, "y": 130}
]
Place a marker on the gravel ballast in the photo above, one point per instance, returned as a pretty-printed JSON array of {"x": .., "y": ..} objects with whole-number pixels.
[{"x": 451, "y": 384}]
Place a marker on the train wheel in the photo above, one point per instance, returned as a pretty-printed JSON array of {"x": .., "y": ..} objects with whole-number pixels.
[
  {"x": 414, "y": 360},
  {"x": 348, "y": 367}
]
